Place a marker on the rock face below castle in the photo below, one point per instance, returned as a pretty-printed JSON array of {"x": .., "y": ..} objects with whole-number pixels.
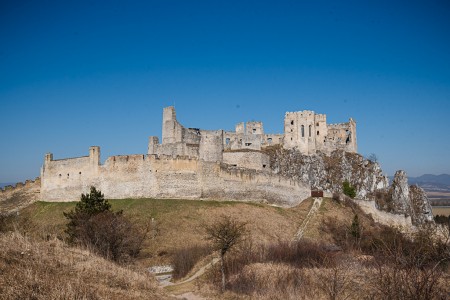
[{"x": 328, "y": 172}]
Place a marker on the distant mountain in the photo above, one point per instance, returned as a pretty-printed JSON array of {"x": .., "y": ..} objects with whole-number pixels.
[
  {"x": 443, "y": 179},
  {"x": 431, "y": 183},
  {"x": 2, "y": 185}
]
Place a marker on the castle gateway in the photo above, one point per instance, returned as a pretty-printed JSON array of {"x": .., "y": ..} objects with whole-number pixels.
[{"x": 193, "y": 163}]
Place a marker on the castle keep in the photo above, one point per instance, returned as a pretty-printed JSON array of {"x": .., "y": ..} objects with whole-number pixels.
[{"x": 202, "y": 164}]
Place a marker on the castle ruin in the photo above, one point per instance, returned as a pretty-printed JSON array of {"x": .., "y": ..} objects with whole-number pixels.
[{"x": 193, "y": 163}]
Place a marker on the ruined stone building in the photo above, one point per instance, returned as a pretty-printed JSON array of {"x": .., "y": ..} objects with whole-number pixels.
[
  {"x": 304, "y": 130},
  {"x": 193, "y": 163}
]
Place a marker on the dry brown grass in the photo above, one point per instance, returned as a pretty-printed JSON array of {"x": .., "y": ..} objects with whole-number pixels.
[{"x": 52, "y": 270}]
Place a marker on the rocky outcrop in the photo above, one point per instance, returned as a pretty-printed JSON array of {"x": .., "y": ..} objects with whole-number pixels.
[
  {"x": 328, "y": 173},
  {"x": 406, "y": 200}
]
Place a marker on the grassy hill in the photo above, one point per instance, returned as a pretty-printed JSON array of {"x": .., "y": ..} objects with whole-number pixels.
[
  {"x": 176, "y": 223},
  {"x": 268, "y": 266}
]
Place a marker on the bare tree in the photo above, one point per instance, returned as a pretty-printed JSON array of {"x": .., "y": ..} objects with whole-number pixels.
[
  {"x": 373, "y": 157},
  {"x": 225, "y": 234}
]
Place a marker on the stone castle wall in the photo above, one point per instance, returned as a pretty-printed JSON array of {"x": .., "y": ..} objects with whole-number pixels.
[
  {"x": 153, "y": 176},
  {"x": 195, "y": 163},
  {"x": 247, "y": 159}
]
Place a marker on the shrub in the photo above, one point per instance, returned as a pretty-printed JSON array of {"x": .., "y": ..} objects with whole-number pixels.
[
  {"x": 93, "y": 225},
  {"x": 184, "y": 259},
  {"x": 348, "y": 189},
  {"x": 112, "y": 236}
]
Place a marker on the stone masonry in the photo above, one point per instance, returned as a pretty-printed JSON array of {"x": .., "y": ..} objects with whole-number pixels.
[{"x": 192, "y": 163}]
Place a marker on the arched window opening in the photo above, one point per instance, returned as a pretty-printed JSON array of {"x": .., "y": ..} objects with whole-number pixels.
[
  {"x": 227, "y": 141},
  {"x": 303, "y": 131}
]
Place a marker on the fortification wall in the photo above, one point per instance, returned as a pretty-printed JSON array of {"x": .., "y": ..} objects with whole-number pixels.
[
  {"x": 341, "y": 136},
  {"x": 252, "y": 185},
  {"x": 247, "y": 159},
  {"x": 211, "y": 145},
  {"x": 152, "y": 176},
  {"x": 13, "y": 198}
]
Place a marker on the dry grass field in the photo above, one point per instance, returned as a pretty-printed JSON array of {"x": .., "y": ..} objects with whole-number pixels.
[
  {"x": 264, "y": 267},
  {"x": 50, "y": 269}
]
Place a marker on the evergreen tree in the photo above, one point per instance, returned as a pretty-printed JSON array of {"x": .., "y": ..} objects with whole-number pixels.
[{"x": 90, "y": 205}]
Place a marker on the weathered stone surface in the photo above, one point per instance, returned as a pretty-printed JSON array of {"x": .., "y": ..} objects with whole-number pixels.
[
  {"x": 421, "y": 207},
  {"x": 402, "y": 199},
  {"x": 328, "y": 172}
]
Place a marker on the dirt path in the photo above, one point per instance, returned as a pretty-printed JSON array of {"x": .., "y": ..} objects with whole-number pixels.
[
  {"x": 312, "y": 212},
  {"x": 183, "y": 289},
  {"x": 166, "y": 281}
]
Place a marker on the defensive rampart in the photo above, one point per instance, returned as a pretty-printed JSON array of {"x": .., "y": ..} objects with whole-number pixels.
[{"x": 161, "y": 176}]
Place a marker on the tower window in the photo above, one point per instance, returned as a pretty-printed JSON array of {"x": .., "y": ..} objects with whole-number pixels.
[
  {"x": 227, "y": 141},
  {"x": 292, "y": 122},
  {"x": 317, "y": 133},
  {"x": 303, "y": 131},
  {"x": 309, "y": 130}
]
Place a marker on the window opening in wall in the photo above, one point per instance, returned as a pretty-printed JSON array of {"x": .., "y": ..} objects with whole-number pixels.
[
  {"x": 248, "y": 144},
  {"x": 59, "y": 175},
  {"x": 292, "y": 122},
  {"x": 269, "y": 140},
  {"x": 291, "y": 139},
  {"x": 264, "y": 166},
  {"x": 79, "y": 173},
  {"x": 303, "y": 131},
  {"x": 292, "y": 130},
  {"x": 317, "y": 133},
  {"x": 309, "y": 130},
  {"x": 317, "y": 124},
  {"x": 227, "y": 141},
  {"x": 254, "y": 130}
]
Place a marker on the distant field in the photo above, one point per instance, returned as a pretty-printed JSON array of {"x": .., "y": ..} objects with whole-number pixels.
[{"x": 441, "y": 210}]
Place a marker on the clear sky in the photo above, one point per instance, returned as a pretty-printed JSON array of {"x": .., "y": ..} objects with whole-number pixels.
[{"x": 75, "y": 74}]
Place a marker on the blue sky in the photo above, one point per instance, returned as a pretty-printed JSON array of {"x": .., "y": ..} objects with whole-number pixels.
[{"x": 75, "y": 74}]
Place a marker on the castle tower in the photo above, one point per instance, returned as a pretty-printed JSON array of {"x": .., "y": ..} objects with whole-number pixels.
[
  {"x": 352, "y": 145},
  {"x": 94, "y": 156},
  {"x": 153, "y": 141},
  {"x": 171, "y": 129}
]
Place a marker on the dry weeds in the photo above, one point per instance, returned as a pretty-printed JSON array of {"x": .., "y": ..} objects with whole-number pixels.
[{"x": 52, "y": 270}]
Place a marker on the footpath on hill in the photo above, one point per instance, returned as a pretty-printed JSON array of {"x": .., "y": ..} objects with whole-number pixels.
[
  {"x": 312, "y": 212},
  {"x": 164, "y": 280}
]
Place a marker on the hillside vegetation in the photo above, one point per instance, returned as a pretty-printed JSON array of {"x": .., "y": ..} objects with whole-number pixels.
[
  {"x": 31, "y": 269},
  {"x": 343, "y": 254}
]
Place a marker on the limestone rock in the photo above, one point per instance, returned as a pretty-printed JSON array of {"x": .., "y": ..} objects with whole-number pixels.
[
  {"x": 327, "y": 173},
  {"x": 407, "y": 200},
  {"x": 400, "y": 193},
  {"x": 421, "y": 207}
]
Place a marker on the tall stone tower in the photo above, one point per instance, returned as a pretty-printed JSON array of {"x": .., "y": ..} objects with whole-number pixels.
[{"x": 305, "y": 130}]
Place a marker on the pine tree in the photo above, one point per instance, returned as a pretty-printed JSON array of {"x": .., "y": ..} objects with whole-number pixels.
[{"x": 90, "y": 205}]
